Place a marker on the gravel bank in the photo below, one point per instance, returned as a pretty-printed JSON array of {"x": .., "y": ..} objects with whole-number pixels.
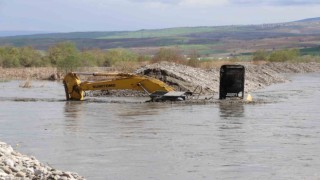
[
  {"x": 185, "y": 78},
  {"x": 14, "y": 165}
]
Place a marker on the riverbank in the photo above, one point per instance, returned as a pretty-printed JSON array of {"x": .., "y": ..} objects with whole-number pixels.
[
  {"x": 14, "y": 165},
  {"x": 32, "y": 73},
  {"x": 187, "y": 78},
  {"x": 183, "y": 78}
]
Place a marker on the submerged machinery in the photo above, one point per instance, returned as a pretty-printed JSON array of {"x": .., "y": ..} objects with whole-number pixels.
[
  {"x": 232, "y": 79},
  {"x": 156, "y": 89}
]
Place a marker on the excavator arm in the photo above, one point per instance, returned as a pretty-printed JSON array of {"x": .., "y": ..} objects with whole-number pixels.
[{"x": 75, "y": 89}]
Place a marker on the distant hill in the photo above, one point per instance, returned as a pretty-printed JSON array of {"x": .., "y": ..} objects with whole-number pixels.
[
  {"x": 316, "y": 19},
  {"x": 207, "y": 40},
  {"x": 18, "y": 33}
]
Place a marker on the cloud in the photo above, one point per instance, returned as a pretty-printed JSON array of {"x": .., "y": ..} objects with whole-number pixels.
[
  {"x": 276, "y": 2},
  {"x": 110, "y": 15},
  {"x": 157, "y": 1},
  {"x": 193, "y": 3},
  {"x": 203, "y": 3}
]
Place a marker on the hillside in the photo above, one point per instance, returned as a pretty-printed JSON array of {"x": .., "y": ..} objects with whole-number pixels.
[
  {"x": 316, "y": 19},
  {"x": 18, "y": 33},
  {"x": 206, "y": 40}
]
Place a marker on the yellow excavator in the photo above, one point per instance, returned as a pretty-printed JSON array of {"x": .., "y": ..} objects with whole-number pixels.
[{"x": 156, "y": 89}]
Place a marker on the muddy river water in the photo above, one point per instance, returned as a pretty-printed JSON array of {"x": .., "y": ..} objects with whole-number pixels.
[{"x": 279, "y": 139}]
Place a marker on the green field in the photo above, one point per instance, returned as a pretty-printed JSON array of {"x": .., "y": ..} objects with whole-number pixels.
[
  {"x": 311, "y": 51},
  {"x": 207, "y": 40}
]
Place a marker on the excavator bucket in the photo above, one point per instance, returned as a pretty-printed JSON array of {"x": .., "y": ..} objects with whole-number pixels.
[{"x": 72, "y": 88}]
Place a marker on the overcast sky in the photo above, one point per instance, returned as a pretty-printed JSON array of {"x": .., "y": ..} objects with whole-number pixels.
[{"x": 114, "y": 15}]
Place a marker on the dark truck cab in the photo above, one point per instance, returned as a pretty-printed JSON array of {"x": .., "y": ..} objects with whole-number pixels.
[{"x": 231, "y": 81}]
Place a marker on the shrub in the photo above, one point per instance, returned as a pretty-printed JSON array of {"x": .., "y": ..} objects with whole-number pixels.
[
  {"x": 62, "y": 51},
  {"x": 9, "y": 57},
  {"x": 260, "y": 55},
  {"x": 115, "y": 56},
  {"x": 30, "y": 57},
  {"x": 284, "y": 55},
  {"x": 94, "y": 57},
  {"x": 69, "y": 64},
  {"x": 168, "y": 54},
  {"x": 127, "y": 66},
  {"x": 193, "y": 63}
]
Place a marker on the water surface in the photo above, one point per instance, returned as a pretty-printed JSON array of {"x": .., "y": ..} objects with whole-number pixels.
[{"x": 105, "y": 140}]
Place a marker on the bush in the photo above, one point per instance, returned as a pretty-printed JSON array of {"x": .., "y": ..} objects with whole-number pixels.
[
  {"x": 284, "y": 55},
  {"x": 30, "y": 57},
  {"x": 9, "y": 57},
  {"x": 61, "y": 52},
  {"x": 94, "y": 57},
  {"x": 115, "y": 56},
  {"x": 193, "y": 63},
  {"x": 65, "y": 56},
  {"x": 260, "y": 55},
  {"x": 88, "y": 59},
  {"x": 69, "y": 64},
  {"x": 170, "y": 55},
  {"x": 143, "y": 58}
]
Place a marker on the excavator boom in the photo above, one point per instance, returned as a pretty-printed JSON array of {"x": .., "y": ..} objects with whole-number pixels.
[{"x": 75, "y": 89}]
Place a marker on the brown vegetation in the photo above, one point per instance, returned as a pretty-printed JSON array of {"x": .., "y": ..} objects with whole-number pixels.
[{"x": 40, "y": 73}]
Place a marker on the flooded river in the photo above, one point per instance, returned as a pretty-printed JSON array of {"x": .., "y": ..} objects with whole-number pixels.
[{"x": 101, "y": 139}]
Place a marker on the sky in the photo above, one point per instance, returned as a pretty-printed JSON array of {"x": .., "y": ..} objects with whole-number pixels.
[{"x": 129, "y": 15}]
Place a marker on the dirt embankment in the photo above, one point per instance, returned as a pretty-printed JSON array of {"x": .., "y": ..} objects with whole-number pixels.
[
  {"x": 187, "y": 78},
  {"x": 36, "y": 73},
  {"x": 183, "y": 78}
]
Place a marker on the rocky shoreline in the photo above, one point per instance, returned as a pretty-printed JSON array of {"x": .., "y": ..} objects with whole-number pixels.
[{"x": 14, "y": 165}]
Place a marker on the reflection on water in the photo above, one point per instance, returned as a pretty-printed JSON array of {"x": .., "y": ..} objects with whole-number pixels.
[
  {"x": 231, "y": 140},
  {"x": 145, "y": 109},
  {"x": 101, "y": 139},
  {"x": 74, "y": 114},
  {"x": 228, "y": 109},
  {"x": 73, "y": 109}
]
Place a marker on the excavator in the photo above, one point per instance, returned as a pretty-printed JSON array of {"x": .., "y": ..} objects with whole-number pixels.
[{"x": 156, "y": 89}]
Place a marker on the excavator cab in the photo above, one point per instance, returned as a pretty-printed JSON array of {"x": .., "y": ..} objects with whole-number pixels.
[{"x": 231, "y": 81}]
